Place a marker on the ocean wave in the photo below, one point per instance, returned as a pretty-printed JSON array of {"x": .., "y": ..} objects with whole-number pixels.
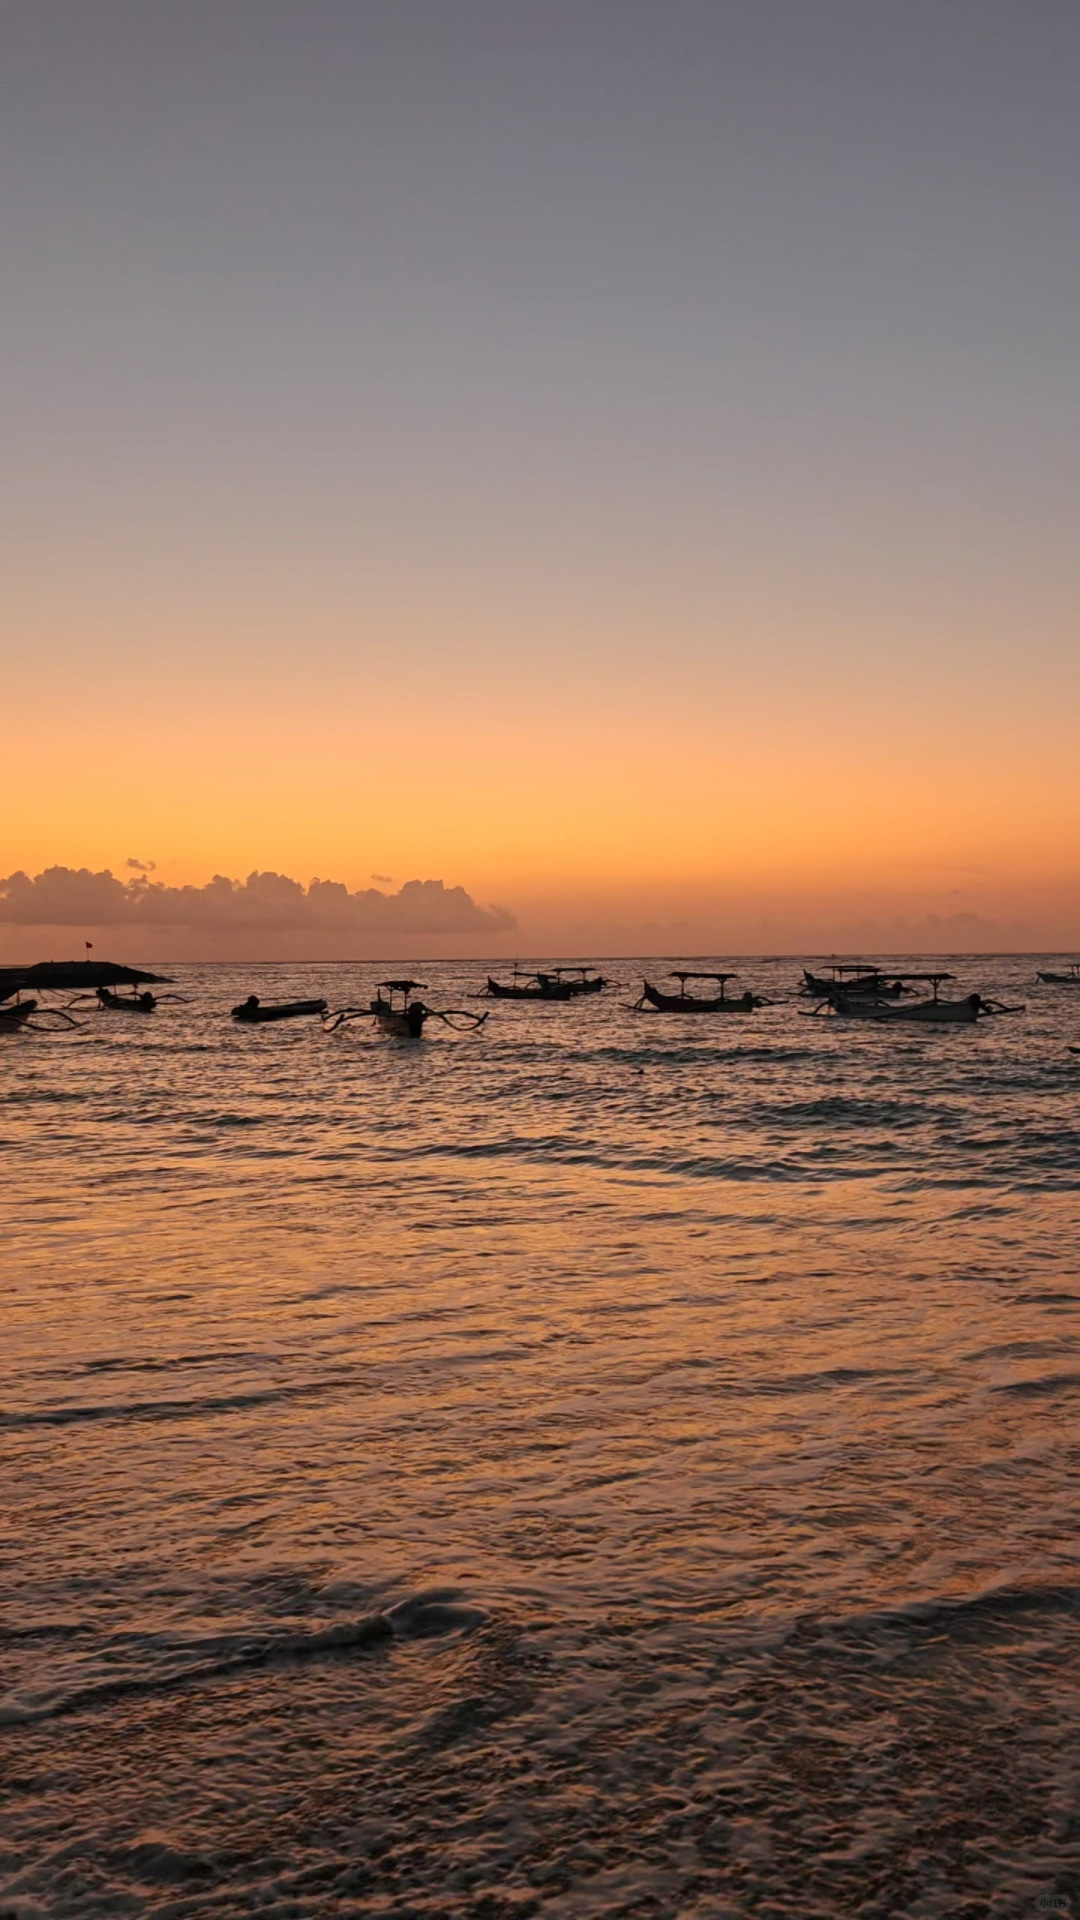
[
  {"x": 423, "y": 1616},
  {"x": 192, "y": 1409},
  {"x": 990, "y": 1606},
  {"x": 1046, "y": 1383}
]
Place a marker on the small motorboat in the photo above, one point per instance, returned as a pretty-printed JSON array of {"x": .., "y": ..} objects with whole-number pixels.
[
  {"x": 1071, "y": 978},
  {"x": 683, "y": 1002},
  {"x": 254, "y": 1013}
]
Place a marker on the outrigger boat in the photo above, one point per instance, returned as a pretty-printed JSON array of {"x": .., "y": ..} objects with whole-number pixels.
[
  {"x": 1069, "y": 979},
  {"x": 405, "y": 1019},
  {"x": 16, "y": 1016},
  {"x": 932, "y": 1012},
  {"x": 683, "y": 1002},
  {"x": 254, "y": 1013},
  {"x": 105, "y": 1000},
  {"x": 578, "y": 979},
  {"x": 127, "y": 1002},
  {"x": 19, "y": 1016},
  {"x": 545, "y": 986},
  {"x": 852, "y": 977}
]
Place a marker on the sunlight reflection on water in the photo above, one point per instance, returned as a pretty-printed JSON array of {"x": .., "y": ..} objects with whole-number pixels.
[{"x": 599, "y": 1453}]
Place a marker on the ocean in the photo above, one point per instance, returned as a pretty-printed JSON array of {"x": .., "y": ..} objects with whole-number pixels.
[{"x": 606, "y": 1464}]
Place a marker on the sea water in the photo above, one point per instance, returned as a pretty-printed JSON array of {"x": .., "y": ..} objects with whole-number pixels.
[{"x": 605, "y": 1464}]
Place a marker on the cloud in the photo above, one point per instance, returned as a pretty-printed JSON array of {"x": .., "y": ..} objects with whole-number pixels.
[
  {"x": 382, "y": 879},
  {"x": 263, "y": 903},
  {"x": 938, "y": 933},
  {"x": 142, "y": 866}
]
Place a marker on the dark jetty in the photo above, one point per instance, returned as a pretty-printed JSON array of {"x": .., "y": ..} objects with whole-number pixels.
[{"x": 58, "y": 975}]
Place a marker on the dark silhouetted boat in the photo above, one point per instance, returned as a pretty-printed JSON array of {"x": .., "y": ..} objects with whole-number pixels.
[
  {"x": 126, "y": 1002},
  {"x": 16, "y": 1016},
  {"x": 401, "y": 1015},
  {"x": 406, "y": 1019},
  {"x": 579, "y": 980},
  {"x": 532, "y": 986},
  {"x": 1069, "y": 979},
  {"x": 683, "y": 1002},
  {"x": 932, "y": 1012},
  {"x": 852, "y": 977},
  {"x": 254, "y": 1013}
]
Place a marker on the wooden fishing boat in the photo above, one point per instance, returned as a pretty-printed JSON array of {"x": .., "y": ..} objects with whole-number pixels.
[
  {"x": 578, "y": 979},
  {"x": 1071, "y": 978},
  {"x": 683, "y": 1002},
  {"x": 16, "y": 1016},
  {"x": 126, "y": 1002},
  {"x": 932, "y": 1012},
  {"x": 852, "y": 977},
  {"x": 544, "y": 986},
  {"x": 401, "y": 1015},
  {"x": 406, "y": 1020},
  {"x": 254, "y": 1013}
]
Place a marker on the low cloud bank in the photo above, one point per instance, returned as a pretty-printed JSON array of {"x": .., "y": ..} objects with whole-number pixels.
[{"x": 263, "y": 903}]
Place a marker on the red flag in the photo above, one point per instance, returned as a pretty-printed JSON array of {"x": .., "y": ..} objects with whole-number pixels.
[{"x": 89, "y": 946}]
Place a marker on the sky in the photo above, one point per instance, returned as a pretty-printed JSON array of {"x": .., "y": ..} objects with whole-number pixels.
[{"x": 617, "y": 461}]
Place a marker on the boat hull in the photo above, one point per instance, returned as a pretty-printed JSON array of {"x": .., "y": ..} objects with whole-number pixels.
[
  {"x": 933, "y": 1013},
  {"x": 1059, "y": 979},
  {"x": 553, "y": 992},
  {"x": 405, "y": 1026},
  {"x": 289, "y": 1010},
  {"x": 684, "y": 1003}
]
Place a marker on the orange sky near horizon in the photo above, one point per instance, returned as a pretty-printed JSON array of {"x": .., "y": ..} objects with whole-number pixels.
[{"x": 617, "y": 815}]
